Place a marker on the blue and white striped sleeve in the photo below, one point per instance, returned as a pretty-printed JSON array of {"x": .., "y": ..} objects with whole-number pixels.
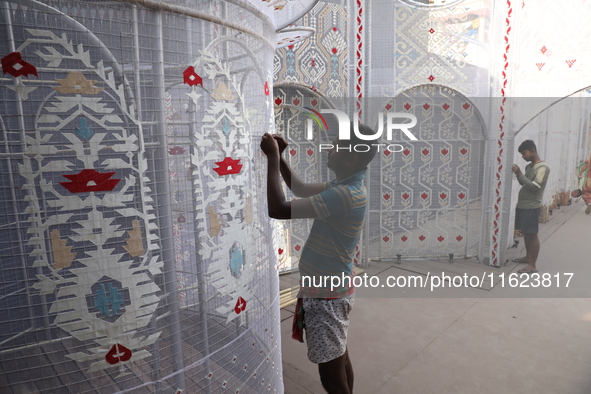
[{"x": 335, "y": 201}]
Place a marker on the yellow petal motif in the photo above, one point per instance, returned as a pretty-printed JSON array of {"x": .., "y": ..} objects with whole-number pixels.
[
  {"x": 215, "y": 224},
  {"x": 248, "y": 210},
  {"x": 223, "y": 93},
  {"x": 134, "y": 242},
  {"x": 75, "y": 82},
  {"x": 62, "y": 256}
]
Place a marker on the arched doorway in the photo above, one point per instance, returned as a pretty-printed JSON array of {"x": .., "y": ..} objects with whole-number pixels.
[{"x": 426, "y": 200}]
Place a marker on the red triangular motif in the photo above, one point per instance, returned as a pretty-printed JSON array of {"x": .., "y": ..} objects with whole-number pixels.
[
  {"x": 90, "y": 181},
  {"x": 117, "y": 354},
  {"x": 228, "y": 166}
]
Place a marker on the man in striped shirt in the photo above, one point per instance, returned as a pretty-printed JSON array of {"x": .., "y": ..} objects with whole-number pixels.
[{"x": 338, "y": 208}]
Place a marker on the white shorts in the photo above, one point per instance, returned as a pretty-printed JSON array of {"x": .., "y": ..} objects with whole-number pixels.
[{"x": 326, "y": 323}]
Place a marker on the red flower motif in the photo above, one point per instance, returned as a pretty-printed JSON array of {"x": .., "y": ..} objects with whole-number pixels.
[
  {"x": 240, "y": 305},
  {"x": 422, "y": 238},
  {"x": 334, "y": 28},
  {"x": 280, "y": 251},
  {"x": 266, "y": 88},
  {"x": 388, "y": 107},
  {"x": 445, "y": 106},
  {"x": 466, "y": 105},
  {"x": 443, "y": 196},
  {"x": 461, "y": 195},
  {"x": 386, "y": 238},
  {"x": 310, "y": 152},
  {"x": 177, "y": 150},
  {"x": 386, "y": 196},
  {"x": 407, "y": 106},
  {"x": 405, "y": 196},
  {"x": 314, "y": 102},
  {"x": 292, "y": 152},
  {"x": 90, "y": 181},
  {"x": 404, "y": 238},
  {"x": 459, "y": 238},
  {"x": 117, "y": 354},
  {"x": 424, "y": 195},
  {"x": 425, "y": 152},
  {"x": 426, "y": 106},
  {"x": 334, "y": 50},
  {"x": 14, "y": 65},
  {"x": 296, "y": 101},
  {"x": 431, "y": 30},
  {"x": 297, "y": 247},
  {"x": 406, "y": 152},
  {"x": 191, "y": 78},
  {"x": 228, "y": 166},
  {"x": 387, "y": 152},
  {"x": 444, "y": 151},
  {"x": 440, "y": 238},
  {"x": 431, "y": 78},
  {"x": 463, "y": 151},
  {"x": 290, "y": 46},
  {"x": 278, "y": 101}
]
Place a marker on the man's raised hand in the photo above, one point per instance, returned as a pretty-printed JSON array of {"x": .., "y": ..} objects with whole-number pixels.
[
  {"x": 269, "y": 145},
  {"x": 281, "y": 142}
]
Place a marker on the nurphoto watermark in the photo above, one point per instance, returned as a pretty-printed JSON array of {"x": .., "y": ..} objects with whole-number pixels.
[{"x": 394, "y": 121}]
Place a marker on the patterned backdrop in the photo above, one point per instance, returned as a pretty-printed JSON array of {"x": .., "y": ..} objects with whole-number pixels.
[
  {"x": 426, "y": 198},
  {"x": 320, "y": 62},
  {"x": 137, "y": 255}
]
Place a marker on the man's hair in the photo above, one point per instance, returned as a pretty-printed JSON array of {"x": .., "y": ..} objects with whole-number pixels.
[
  {"x": 527, "y": 144},
  {"x": 363, "y": 158}
]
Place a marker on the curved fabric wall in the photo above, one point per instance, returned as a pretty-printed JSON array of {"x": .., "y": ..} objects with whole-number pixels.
[{"x": 135, "y": 248}]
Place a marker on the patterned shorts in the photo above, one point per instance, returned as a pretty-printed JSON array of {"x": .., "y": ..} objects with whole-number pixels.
[{"x": 326, "y": 323}]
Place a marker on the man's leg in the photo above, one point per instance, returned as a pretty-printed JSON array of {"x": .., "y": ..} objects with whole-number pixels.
[
  {"x": 518, "y": 226},
  {"x": 327, "y": 323},
  {"x": 532, "y": 247},
  {"x": 349, "y": 371},
  {"x": 337, "y": 375}
]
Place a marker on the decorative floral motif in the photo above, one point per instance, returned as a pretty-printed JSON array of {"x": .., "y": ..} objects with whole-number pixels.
[
  {"x": 191, "y": 78},
  {"x": 90, "y": 181},
  {"x": 77, "y": 83},
  {"x": 222, "y": 182},
  {"x": 228, "y": 166},
  {"x": 14, "y": 65},
  {"x": 62, "y": 255},
  {"x": 92, "y": 137}
]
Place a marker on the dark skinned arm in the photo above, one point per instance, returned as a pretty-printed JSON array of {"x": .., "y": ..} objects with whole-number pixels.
[
  {"x": 293, "y": 182},
  {"x": 279, "y": 208}
]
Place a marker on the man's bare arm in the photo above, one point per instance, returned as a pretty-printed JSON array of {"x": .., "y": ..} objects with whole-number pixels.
[
  {"x": 293, "y": 182},
  {"x": 296, "y": 185},
  {"x": 278, "y": 207}
]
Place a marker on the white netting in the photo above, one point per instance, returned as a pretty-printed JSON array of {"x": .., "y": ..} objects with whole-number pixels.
[{"x": 136, "y": 251}]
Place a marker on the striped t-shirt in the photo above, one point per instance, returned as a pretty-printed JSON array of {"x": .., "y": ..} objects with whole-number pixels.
[{"x": 330, "y": 247}]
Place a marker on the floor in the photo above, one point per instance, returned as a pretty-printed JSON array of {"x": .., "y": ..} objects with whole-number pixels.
[{"x": 491, "y": 338}]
